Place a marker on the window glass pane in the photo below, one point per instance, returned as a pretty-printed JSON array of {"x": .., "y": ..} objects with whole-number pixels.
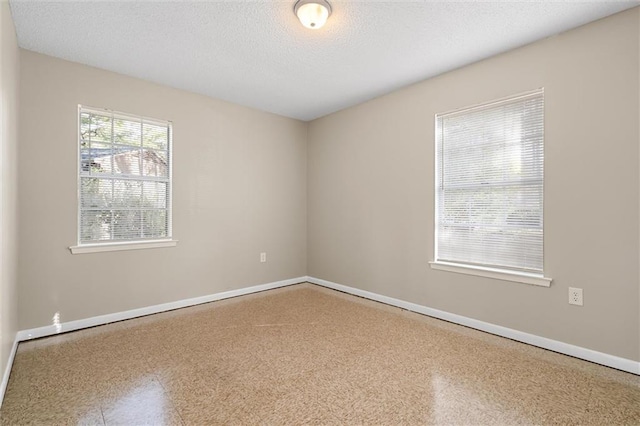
[
  {"x": 154, "y": 223},
  {"x": 95, "y": 225},
  {"x": 155, "y": 195},
  {"x": 515, "y": 248},
  {"x": 500, "y": 205},
  {"x": 101, "y": 160},
  {"x": 154, "y": 163},
  {"x": 127, "y": 132},
  {"x": 126, "y": 161},
  {"x": 126, "y": 193},
  {"x": 126, "y": 225},
  {"x": 95, "y": 193},
  {"x": 154, "y": 136},
  {"x": 94, "y": 127},
  {"x": 86, "y": 160}
]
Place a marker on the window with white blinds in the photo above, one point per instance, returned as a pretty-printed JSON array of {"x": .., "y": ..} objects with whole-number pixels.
[
  {"x": 489, "y": 184},
  {"x": 124, "y": 177}
]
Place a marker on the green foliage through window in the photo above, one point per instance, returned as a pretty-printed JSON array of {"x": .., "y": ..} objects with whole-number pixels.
[{"x": 125, "y": 184}]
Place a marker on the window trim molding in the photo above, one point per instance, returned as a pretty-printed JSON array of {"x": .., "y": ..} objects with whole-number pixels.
[
  {"x": 94, "y": 247},
  {"x": 121, "y": 246},
  {"x": 495, "y": 273}
]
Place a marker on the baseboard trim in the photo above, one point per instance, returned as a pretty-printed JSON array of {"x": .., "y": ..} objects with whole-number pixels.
[
  {"x": 64, "y": 327},
  {"x": 7, "y": 370},
  {"x": 531, "y": 339}
]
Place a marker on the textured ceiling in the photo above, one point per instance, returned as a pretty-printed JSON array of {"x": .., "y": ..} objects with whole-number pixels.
[{"x": 256, "y": 53}]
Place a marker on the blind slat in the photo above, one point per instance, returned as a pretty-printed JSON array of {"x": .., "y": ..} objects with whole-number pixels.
[
  {"x": 125, "y": 179},
  {"x": 489, "y": 184}
]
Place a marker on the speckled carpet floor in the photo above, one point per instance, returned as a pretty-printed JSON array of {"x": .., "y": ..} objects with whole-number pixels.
[{"x": 305, "y": 355}]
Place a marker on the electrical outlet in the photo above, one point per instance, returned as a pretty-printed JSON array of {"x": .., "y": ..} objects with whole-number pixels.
[
  {"x": 575, "y": 296},
  {"x": 263, "y": 257}
]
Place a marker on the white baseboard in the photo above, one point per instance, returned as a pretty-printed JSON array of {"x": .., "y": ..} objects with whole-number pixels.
[
  {"x": 50, "y": 330},
  {"x": 542, "y": 342},
  {"x": 7, "y": 370}
]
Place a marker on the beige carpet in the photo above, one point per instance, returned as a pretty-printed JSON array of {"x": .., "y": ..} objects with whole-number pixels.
[{"x": 305, "y": 355}]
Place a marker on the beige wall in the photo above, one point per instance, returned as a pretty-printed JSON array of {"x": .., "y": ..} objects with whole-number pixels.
[
  {"x": 239, "y": 189},
  {"x": 371, "y": 190},
  {"x": 9, "y": 81}
]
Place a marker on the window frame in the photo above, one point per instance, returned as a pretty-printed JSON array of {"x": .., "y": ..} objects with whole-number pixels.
[
  {"x": 118, "y": 245},
  {"x": 514, "y": 275}
]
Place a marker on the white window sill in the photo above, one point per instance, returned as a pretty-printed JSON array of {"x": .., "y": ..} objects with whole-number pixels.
[
  {"x": 134, "y": 245},
  {"x": 498, "y": 274}
]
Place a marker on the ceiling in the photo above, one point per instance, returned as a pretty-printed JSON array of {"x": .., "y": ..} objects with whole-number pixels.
[{"x": 256, "y": 53}]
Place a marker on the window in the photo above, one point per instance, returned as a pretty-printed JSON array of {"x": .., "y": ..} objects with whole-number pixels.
[
  {"x": 489, "y": 186},
  {"x": 124, "y": 178}
]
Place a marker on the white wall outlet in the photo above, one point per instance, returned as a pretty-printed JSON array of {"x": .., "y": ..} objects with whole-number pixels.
[
  {"x": 263, "y": 257},
  {"x": 575, "y": 296}
]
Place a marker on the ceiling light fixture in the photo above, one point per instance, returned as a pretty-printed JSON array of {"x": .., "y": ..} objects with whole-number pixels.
[{"x": 312, "y": 13}]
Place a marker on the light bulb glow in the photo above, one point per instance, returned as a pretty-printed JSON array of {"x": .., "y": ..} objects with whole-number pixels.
[{"x": 312, "y": 15}]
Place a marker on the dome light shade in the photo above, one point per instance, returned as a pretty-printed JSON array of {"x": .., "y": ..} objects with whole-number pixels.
[{"x": 312, "y": 13}]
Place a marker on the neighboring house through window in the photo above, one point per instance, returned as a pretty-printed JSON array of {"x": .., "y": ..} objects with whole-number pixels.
[
  {"x": 489, "y": 185},
  {"x": 124, "y": 178}
]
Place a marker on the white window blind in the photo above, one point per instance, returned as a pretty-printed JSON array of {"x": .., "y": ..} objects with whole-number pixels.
[
  {"x": 489, "y": 184},
  {"x": 124, "y": 177}
]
